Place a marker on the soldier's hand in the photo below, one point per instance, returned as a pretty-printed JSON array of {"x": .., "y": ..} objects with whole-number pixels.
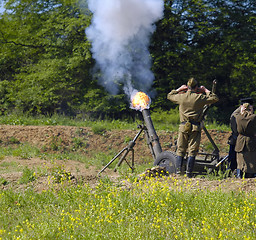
[
  {"x": 200, "y": 89},
  {"x": 203, "y": 89},
  {"x": 182, "y": 88}
]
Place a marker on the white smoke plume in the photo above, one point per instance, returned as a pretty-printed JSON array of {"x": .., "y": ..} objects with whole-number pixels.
[{"x": 120, "y": 33}]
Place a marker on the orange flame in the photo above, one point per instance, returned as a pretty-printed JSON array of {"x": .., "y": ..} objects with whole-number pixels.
[{"x": 140, "y": 101}]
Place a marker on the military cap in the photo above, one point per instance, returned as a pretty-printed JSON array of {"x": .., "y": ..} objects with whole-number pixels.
[
  {"x": 246, "y": 106},
  {"x": 192, "y": 82},
  {"x": 246, "y": 100}
]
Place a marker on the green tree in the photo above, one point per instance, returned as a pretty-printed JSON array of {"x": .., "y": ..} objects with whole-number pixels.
[
  {"x": 207, "y": 39},
  {"x": 46, "y": 62},
  {"x": 47, "y": 40}
]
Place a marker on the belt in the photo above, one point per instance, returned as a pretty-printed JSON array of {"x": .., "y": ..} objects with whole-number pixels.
[
  {"x": 192, "y": 122},
  {"x": 247, "y": 135}
]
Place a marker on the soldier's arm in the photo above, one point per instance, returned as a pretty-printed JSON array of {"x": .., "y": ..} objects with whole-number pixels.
[
  {"x": 211, "y": 98},
  {"x": 174, "y": 94}
]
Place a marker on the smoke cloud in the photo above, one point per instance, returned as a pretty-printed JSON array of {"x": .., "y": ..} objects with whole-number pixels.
[{"x": 120, "y": 33}]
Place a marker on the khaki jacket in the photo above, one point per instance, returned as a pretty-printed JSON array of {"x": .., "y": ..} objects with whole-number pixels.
[
  {"x": 246, "y": 127},
  {"x": 233, "y": 125},
  {"x": 191, "y": 104}
]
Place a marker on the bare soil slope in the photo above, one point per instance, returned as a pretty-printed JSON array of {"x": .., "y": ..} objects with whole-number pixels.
[{"x": 51, "y": 138}]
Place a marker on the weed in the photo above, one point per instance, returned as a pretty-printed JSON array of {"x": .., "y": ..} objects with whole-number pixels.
[
  {"x": 149, "y": 209},
  {"x": 78, "y": 143},
  {"x": 55, "y": 143},
  {"x": 42, "y": 171},
  {"x": 25, "y": 151},
  {"x": 127, "y": 139},
  {"x": 80, "y": 132},
  {"x": 3, "y": 181},
  {"x": 60, "y": 175},
  {"x": 13, "y": 140},
  {"x": 51, "y": 122},
  {"x": 218, "y": 174},
  {"x": 7, "y": 167},
  {"x": 99, "y": 129},
  {"x": 208, "y": 147},
  {"x": 28, "y": 175}
]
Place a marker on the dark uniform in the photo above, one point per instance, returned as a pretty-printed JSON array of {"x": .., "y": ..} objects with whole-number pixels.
[
  {"x": 246, "y": 142},
  {"x": 232, "y": 140},
  {"x": 191, "y": 106}
]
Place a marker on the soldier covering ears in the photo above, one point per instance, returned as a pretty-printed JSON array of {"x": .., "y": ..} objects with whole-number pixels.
[{"x": 191, "y": 100}]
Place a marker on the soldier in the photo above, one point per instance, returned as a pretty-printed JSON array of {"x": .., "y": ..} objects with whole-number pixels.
[
  {"x": 246, "y": 141},
  {"x": 234, "y": 135},
  {"x": 191, "y": 100}
]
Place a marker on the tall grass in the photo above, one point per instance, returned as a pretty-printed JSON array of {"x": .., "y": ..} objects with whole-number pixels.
[
  {"x": 148, "y": 209},
  {"x": 162, "y": 120}
]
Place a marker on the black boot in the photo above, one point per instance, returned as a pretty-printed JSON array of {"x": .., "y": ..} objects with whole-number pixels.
[
  {"x": 249, "y": 175},
  {"x": 238, "y": 173},
  {"x": 190, "y": 166},
  {"x": 179, "y": 162}
]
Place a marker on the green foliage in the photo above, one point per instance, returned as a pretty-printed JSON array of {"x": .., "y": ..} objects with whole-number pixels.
[
  {"x": 23, "y": 150},
  {"x": 14, "y": 140},
  {"x": 162, "y": 120},
  {"x": 60, "y": 174},
  {"x": 46, "y": 61},
  {"x": 78, "y": 143},
  {"x": 99, "y": 129},
  {"x": 146, "y": 210},
  {"x": 54, "y": 55},
  {"x": 127, "y": 139},
  {"x": 3, "y": 181},
  {"x": 218, "y": 174},
  {"x": 55, "y": 143},
  {"x": 207, "y": 40},
  {"x": 7, "y": 167},
  {"x": 28, "y": 175}
]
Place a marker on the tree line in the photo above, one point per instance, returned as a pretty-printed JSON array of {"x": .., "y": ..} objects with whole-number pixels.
[{"x": 46, "y": 63}]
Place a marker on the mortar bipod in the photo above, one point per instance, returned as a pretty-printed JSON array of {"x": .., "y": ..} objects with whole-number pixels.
[{"x": 125, "y": 152}]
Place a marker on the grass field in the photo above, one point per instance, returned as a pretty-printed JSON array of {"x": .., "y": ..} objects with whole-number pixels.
[
  {"x": 162, "y": 121},
  {"x": 127, "y": 208},
  {"x": 150, "y": 209}
]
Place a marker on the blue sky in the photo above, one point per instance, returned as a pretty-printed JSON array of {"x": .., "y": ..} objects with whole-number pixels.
[{"x": 1, "y": 8}]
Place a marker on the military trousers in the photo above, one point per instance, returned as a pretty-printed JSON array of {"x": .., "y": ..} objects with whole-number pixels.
[
  {"x": 188, "y": 141},
  {"x": 246, "y": 161}
]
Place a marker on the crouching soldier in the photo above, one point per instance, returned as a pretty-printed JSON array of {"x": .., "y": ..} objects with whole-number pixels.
[{"x": 191, "y": 100}]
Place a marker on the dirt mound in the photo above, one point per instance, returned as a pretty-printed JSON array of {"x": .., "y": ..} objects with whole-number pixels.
[{"x": 55, "y": 138}]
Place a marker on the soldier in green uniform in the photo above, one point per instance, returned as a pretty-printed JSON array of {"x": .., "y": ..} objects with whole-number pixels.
[
  {"x": 191, "y": 100},
  {"x": 246, "y": 141}
]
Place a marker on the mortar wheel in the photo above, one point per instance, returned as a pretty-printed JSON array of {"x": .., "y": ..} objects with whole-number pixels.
[{"x": 166, "y": 159}]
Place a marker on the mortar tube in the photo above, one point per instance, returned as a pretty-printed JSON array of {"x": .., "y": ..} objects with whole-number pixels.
[{"x": 153, "y": 138}]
